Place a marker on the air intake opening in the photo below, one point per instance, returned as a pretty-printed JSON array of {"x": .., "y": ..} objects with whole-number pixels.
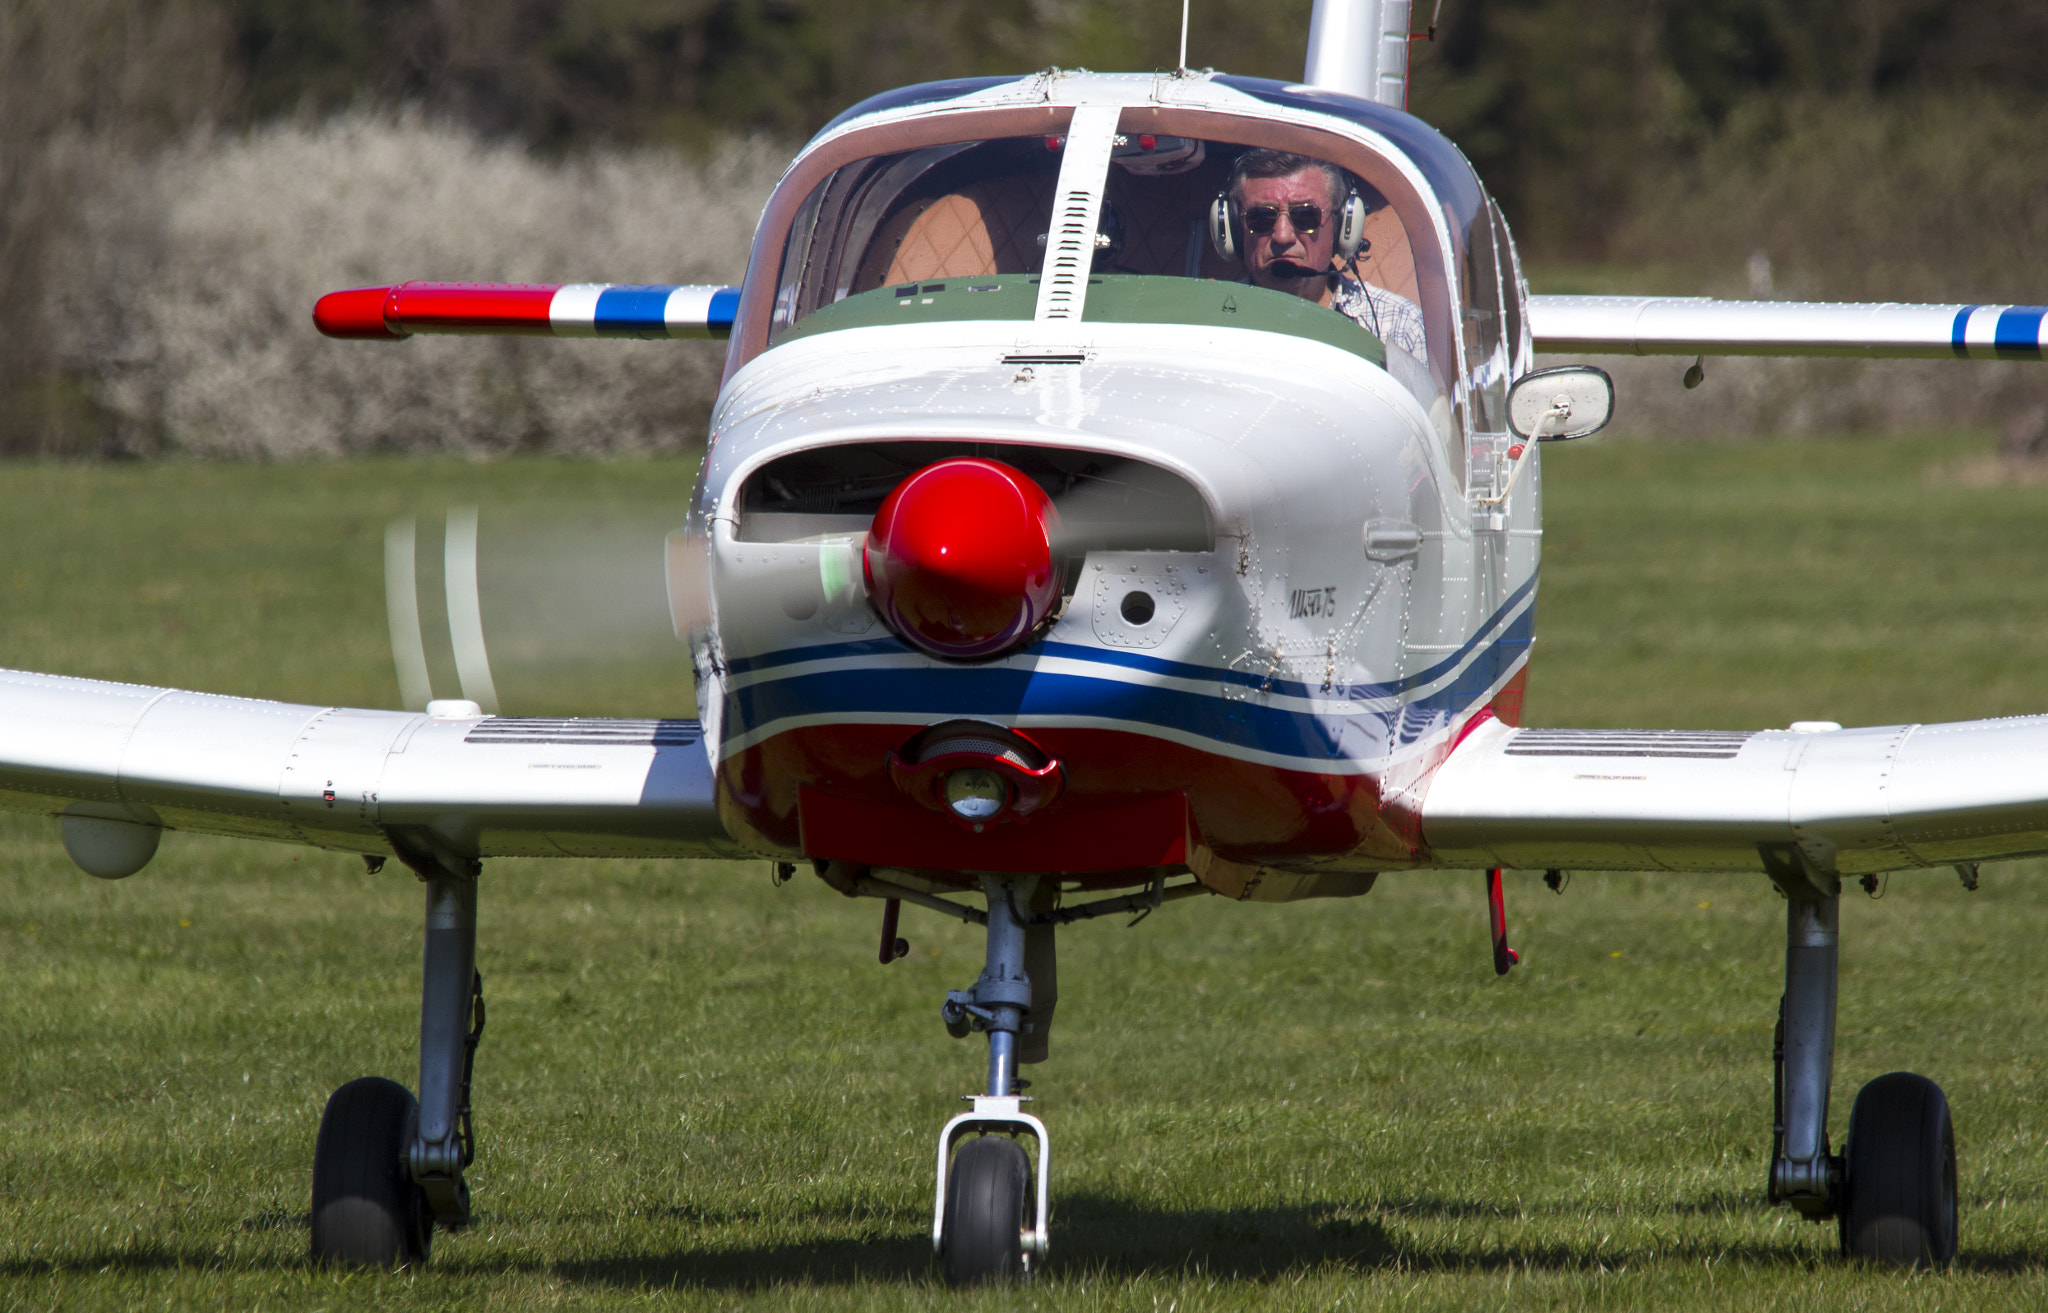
[{"x": 1105, "y": 503}]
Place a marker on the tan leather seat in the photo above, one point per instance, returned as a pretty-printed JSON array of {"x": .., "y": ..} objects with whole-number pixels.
[
  {"x": 1388, "y": 262},
  {"x": 987, "y": 228}
]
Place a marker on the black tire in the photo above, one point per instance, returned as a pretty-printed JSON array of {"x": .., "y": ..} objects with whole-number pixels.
[
  {"x": 987, "y": 1195},
  {"x": 366, "y": 1210},
  {"x": 1899, "y": 1174}
]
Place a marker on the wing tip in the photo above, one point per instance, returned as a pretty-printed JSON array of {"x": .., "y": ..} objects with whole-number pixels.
[{"x": 357, "y": 312}]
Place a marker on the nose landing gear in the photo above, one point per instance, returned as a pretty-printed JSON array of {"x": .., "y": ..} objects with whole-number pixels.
[
  {"x": 1892, "y": 1190},
  {"x": 988, "y": 1225}
]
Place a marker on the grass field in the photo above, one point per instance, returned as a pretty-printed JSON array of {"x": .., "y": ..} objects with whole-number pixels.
[{"x": 698, "y": 1091}]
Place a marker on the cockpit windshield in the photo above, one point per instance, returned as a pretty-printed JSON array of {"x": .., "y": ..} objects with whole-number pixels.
[
  {"x": 1304, "y": 232},
  {"x": 967, "y": 210}
]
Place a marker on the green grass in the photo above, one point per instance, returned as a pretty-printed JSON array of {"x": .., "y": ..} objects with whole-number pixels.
[
  {"x": 1744, "y": 585},
  {"x": 268, "y": 581},
  {"x": 699, "y": 1091}
]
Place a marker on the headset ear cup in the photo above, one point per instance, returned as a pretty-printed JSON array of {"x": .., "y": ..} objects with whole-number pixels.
[
  {"x": 1223, "y": 227},
  {"x": 1351, "y": 228}
]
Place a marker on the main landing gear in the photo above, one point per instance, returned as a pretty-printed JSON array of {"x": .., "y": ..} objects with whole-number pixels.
[
  {"x": 1892, "y": 1189},
  {"x": 387, "y": 1169}
]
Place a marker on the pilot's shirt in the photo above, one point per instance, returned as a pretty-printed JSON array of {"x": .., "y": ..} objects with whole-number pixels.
[{"x": 1393, "y": 319}]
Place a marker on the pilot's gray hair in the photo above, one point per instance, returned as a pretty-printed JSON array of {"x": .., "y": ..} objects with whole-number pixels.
[{"x": 1264, "y": 163}]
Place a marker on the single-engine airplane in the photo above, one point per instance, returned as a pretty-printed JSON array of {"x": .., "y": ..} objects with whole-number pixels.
[{"x": 1123, "y": 488}]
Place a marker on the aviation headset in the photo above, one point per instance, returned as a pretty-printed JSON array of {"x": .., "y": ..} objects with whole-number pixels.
[{"x": 1226, "y": 226}]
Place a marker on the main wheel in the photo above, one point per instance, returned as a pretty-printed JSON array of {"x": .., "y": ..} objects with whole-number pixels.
[
  {"x": 1899, "y": 1174},
  {"x": 986, "y": 1203},
  {"x": 366, "y": 1210}
]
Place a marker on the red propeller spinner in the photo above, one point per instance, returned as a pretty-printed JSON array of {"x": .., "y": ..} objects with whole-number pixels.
[{"x": 959, "y": 558}]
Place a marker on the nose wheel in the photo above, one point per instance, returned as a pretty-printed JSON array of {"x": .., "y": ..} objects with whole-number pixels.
[{"x": 988, "y": 1220}]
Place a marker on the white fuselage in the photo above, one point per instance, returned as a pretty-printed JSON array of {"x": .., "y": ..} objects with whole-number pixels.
[{"x": 1354, "y": 604}]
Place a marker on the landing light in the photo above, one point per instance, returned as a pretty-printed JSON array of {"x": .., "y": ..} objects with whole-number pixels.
[
  {"x": 976, "y": 773},
  {"x": 975, "y": 794}
]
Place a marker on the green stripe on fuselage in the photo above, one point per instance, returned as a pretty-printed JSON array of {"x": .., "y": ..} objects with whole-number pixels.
[{"x": 1112, "y": 299}]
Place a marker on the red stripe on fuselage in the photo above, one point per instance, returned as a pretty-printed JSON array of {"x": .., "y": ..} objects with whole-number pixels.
[
  {"x": 1507, "y": 704},
  {"x": 1243, "y": 811}
]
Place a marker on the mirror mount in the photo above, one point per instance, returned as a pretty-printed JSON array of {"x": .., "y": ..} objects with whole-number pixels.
[{"x": 1551, "y": 405}]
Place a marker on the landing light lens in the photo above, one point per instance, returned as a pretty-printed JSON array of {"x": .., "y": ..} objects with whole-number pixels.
[{"x": 975, "y": 794}]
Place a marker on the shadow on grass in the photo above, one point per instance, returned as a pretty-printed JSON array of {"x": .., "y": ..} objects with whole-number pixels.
[
  {"x": 1109, "y": 1237},
  {"x": 1103, "y": 1237}
]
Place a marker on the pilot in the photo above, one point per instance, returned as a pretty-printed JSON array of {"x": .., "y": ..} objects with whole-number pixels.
[{"x": 1290, "y": 207}]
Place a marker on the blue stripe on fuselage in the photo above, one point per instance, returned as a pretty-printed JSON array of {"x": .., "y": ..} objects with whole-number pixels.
[
  {"x": 1242, "y": 722},
  {"x": 893, "y": 646}
]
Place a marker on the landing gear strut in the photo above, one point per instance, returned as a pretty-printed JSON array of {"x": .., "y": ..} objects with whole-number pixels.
[
  {"x": 388, "y": 1169},
  {"x": 1892, "y": 1190},
  {"x": 1803, "y": 1172},
  {"x": 987, "y": 1223}
]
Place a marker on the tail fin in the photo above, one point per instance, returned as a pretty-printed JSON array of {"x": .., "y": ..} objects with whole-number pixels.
[{"x": 1360, "y": 47}]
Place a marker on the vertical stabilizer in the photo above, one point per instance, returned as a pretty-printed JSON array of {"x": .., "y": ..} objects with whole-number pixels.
[{"x": 1360, "y": 47}]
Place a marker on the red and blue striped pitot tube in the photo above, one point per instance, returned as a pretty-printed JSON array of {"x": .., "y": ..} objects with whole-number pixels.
[{"x": 535, "y": 309}]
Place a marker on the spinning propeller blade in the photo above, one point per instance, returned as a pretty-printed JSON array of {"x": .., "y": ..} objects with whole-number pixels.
[
  {"x": 555, "y": 609},
  {"x": 546, "y": 608}
]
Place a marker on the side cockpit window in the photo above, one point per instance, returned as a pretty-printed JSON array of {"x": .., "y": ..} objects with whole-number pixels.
[
  {"x": 1487, "y": 333},
  {"x": 1514, "y": 296}
]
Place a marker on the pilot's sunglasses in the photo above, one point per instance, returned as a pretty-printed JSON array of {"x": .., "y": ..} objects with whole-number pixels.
[{"x": 1306, "y": 218}]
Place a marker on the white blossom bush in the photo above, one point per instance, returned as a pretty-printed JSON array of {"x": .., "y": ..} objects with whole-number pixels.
[{"x": 185, "y": 292}]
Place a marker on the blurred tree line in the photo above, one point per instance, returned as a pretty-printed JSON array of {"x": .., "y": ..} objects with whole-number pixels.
[
  {"x": 1612, "y": 130},
  {"x": 1561, "y": 103},
  {"x": 1565, "y": 105},
  {"x": 1575, "y": 110}
]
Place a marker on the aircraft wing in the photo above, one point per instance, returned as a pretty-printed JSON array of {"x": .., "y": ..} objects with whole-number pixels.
[
  {"x": 529, "y": 309},
  {"x": 1701, "y": 326},
  {"x": 1837, "y": 801},
  {"x": 333, "y": 777}
]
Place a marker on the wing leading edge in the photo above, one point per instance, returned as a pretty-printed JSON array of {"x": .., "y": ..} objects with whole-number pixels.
[
  {"x": 1845, "y": 802},
  {"x": 353, "y": 780}
]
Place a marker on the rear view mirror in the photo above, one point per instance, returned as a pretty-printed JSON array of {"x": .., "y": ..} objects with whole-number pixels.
[{"x": 1552, "y": 405}]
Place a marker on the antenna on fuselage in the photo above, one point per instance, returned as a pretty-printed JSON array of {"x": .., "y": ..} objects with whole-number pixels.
[{"x": 1182, "y": 66}]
